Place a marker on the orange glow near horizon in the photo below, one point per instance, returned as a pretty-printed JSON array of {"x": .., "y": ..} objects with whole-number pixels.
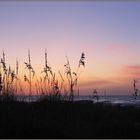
[{"x": 89, "y": 78}]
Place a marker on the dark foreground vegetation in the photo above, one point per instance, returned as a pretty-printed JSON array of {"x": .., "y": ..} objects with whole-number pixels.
[{"x": 68, "y": 120}]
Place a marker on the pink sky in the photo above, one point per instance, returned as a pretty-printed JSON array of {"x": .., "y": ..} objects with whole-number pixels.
[{"x": 103, "y": 31}]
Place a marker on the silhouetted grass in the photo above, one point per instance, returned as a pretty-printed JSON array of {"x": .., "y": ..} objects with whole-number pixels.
[{"x": 68, "y": 120}]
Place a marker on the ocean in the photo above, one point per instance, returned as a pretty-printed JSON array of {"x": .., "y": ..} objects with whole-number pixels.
[
  {"x": 115, "y": 99},
  {"x": 123, "y": 100}
]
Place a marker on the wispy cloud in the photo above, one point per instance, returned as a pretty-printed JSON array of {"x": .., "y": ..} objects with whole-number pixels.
[
  {"x": 117, "y": 47},
  {"x": 130, "y": 71},
  {"x": 93, "y": 83}
]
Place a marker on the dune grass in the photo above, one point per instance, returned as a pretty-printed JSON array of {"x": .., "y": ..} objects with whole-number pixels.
[{"x": 10, "y": 79}]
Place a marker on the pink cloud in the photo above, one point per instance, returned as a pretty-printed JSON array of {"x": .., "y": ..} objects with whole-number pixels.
[
  {"x": 93, "y": 83},
  {"x": 130, "y": 71},
  {"x": 117, "y": 47}
]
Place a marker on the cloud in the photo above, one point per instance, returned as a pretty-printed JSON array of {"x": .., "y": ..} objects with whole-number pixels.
[
  {"x": 93, "y": 83},
  {"x": 130, "y": 71},
  {"x": 117, "y": 47}
]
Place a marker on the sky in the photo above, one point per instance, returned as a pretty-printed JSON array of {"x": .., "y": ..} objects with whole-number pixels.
[{"x": 107, "y": 32}]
